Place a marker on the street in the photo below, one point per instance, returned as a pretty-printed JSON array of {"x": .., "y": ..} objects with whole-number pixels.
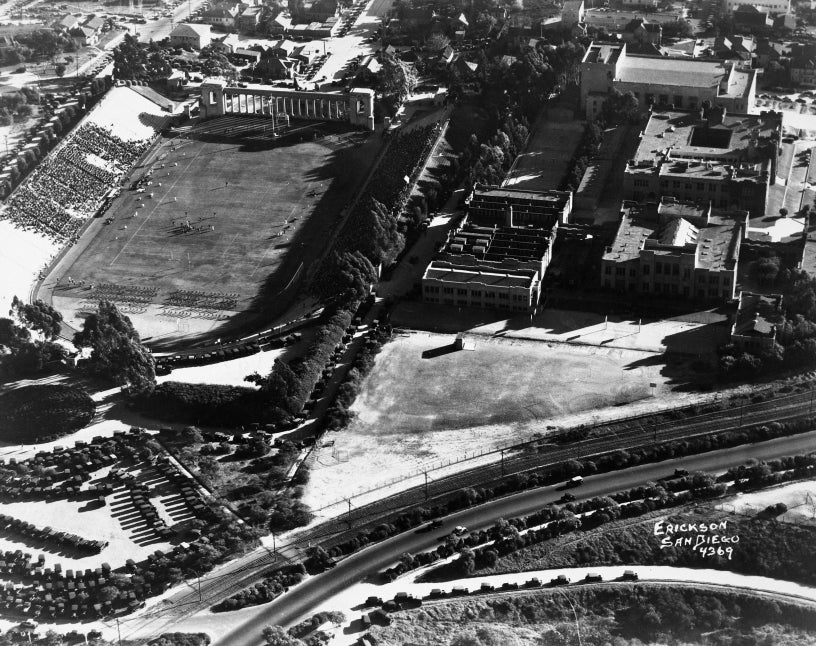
[{"x": 299, "y": 603}]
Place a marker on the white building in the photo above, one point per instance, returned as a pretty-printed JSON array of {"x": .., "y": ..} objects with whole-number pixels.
[
  {"x": 771, "y": 6},
  {"x": 187, "y": 35}
]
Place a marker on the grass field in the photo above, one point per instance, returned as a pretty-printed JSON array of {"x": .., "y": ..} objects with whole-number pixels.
[{"x": 232, "y": 212}]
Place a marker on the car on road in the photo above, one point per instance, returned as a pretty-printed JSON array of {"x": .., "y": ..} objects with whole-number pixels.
[
  {"x": 629, "y": 575},
  {"x": 567, "y": 497},
  {"x": 593, "y": 578},
  {"x": 561, "y": 579},
  {"x": 577, "y": 481},
  {"x": 459, "y": 530}
]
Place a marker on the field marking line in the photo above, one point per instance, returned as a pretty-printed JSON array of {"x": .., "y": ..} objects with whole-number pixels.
[
  {"x": 229, "y": 244},
  {"x": 153, "y": 210}
]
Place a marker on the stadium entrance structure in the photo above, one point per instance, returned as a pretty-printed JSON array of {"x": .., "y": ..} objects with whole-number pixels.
[{"x": 355, "y": 107}]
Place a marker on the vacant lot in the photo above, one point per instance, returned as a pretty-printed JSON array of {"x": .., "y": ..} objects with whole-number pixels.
[
  {"x": 415, "y": 411},
  {"x": 549, "y": 151},
  {"x": 232, "y": 211}
]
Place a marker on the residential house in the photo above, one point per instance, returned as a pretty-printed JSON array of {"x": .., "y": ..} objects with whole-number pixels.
[
  {"x": 280, "y": 24},
  {"x": 191, "y": 35},
  {"x": 758, "y": 319},
  {"x": 249, "y": 19},
  {"x": 748, "y": 16},
  {"x": 222, "y": 15}
]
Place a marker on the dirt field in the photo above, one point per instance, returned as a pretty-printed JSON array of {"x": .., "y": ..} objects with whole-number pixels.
[
  {"x": 221, "y": 216},
  {"x": 414, "y": 412},
  {"x": 551, "y": 146}
]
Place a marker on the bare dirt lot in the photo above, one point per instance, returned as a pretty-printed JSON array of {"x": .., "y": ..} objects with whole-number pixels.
[{"x": 414, "y": 412}]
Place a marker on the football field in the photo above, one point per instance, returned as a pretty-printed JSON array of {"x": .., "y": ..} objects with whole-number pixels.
[{"x": 215, "y": 221}]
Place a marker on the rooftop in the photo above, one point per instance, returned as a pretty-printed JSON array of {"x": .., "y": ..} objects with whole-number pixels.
[
  {"x": 449, "y": 272},
  {"x": 758, "y": 315},
  {"x": 715, "y": 246},
  {"x": 603, "y": 53},
  {"x": 662, "y": 70},
  {"x": 685, "y": 134}
]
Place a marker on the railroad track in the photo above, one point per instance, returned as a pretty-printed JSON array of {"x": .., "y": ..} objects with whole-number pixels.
[{"x": 252, "y": 567}]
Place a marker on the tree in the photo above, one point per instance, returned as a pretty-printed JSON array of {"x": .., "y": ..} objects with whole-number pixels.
[
  {"x": 618, "y": 108},
  {"x": 783, "y": 212},
  {"x": 396, "y": 78},
  {"x": 437, "y": 42},
  {"x": 60, "y": 69},
  {"x": 117, "y": 352},
  {"x": 39, "y": 316},
  {"x": 277, "y": 636}
]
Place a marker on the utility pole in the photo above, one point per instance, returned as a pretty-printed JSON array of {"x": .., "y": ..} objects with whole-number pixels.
[
  {"x": 502, "y": 461},
  {"x": 274, "y": 549},
  {"x": 811, "y": 385},
  {"x": 199, "y": 588},
  {"x": 118, "y": 631},
  {"x": 426, "y": 481}
]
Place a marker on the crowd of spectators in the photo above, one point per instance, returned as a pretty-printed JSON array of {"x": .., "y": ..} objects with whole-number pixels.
[{"x": 67, "y": 188}]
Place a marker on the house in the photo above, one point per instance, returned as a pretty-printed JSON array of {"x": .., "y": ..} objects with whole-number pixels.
[
  {"x": 313, "y": 10},
  {"x": 249, "y": 19},
  {"x": 96, "y": 23},
  {"x": 284, "y": 49},
  {"x": 803, "y": 64},
  {"x": 222, "y": 15},
  {"x": 507, "y": 61},
  {"x": 66, "y": 23},
  {"x": 445, "y": 57},
  {"x": 749, "y": 16},
  {"x": 757, "y": 321},
  {"x": 83, "y": 36},
  {"x": 225, "y": 44},
  {"x": 282, "y": 68},
  {"x": 188, "y": 35},
  {"x": 768, "y": 52},
  {"x": 280, "y": 24},
  {"x": 465, "y": 68},
  {"x": 572, "y": 12},
  {"x": 639, "y": 30}
]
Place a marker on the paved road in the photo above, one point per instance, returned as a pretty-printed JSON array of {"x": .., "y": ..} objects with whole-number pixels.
[{"x": 298, "y": 603}]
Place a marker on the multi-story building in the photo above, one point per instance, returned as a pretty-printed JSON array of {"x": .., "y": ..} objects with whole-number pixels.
[
  {"x": 663, "y": 80},
  {"x": 676, "y": 249},
  {"x": 494, "y": 205},
  {"x": 803, "y": 64},
  {"x": 190, "y": 35},
  {"x": 771, "y": 6},
  {"x": 706, "y": 156},
  {"x": 572, "y": 12},
  {"x": 492, "y": 267},
  {"x": 498, "y": 257}
]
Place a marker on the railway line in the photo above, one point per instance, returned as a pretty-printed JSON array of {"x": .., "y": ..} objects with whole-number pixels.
[{"x": 252, "y": 567}]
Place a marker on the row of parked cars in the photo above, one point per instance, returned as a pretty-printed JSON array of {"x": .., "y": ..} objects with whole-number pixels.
[{"x": 405, "y": 600}]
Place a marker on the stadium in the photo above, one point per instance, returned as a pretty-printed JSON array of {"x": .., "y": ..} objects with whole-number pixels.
[{"x": 217, "y": 223}]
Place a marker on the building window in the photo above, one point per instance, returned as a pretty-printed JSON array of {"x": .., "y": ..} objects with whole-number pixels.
[
  {"x": 675, "y": 270},
  {"x": 447, "y": 290},
  {"x": 461, "y": 292},
  {"x": 620, "y": 271},
  {"x": 646, "y": 270},
  {"x": 712, "y": 188},
  {"x": 664, "y": 99},
  {"x": 658, "y": 267},
  {"x": 503, "y": 296},
  {"x": 608, "y": 270},
  {"x": 700, "y": 186},
  {"x": 686, "y": 273},
  {"x": 678, "y": 101},
  {"x": 633, "y": 273}
]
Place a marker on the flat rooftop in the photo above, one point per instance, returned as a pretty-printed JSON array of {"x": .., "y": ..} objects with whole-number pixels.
[
  {"x": 603, "y": 53},
  {"x": 448, "y": 272},
  {"x": 715, "y": 246},
  {"x": 662, "y": 70},
  {"x": 685, "y": 134}
]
